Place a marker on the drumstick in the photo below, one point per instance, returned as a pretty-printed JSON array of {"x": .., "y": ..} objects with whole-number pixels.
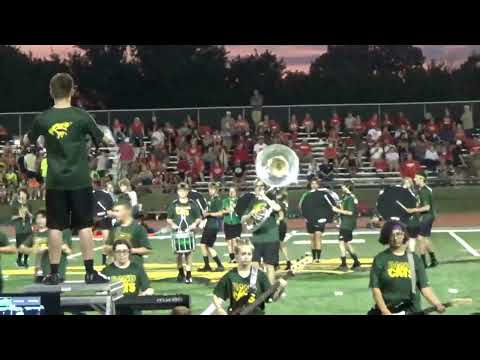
[
  {"x": 101, "y": 205},
  {"x": 402, "y": 206},
  {"x": 328, "y": 200}
]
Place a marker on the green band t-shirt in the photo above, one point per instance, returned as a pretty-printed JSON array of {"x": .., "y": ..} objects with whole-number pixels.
[
  {"x": 133, "y": 233},
  {"x": 65, "y": 132}
]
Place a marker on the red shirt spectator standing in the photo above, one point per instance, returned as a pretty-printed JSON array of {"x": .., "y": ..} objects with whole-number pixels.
[
  {"x": 410, "y": 167},
  {"x": 402, "y": 120},
  {"x": 305, "y": 151},
  {"x": 308, "y": 123},
  {"x": 241, "y": 154},
  {"x": 137, "y": 129},
  {"x": 335, "y": 121},
  {"x": 293, "y": 124},
  {"x": 331, "y": 153}
]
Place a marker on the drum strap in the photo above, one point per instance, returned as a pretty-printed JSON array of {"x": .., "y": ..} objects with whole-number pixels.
[
  {"x": 253, "y": 280},
  {"x": 412, "y": 271}
]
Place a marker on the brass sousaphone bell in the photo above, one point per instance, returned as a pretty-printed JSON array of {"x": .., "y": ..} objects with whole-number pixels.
[{"x": 277, "y": 166}]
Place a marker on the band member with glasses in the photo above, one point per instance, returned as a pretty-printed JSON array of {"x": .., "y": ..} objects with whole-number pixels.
[{"x": 397, "y": 276}]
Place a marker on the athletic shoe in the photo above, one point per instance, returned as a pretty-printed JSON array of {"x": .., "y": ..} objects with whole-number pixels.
[
  {"x": 342, "y": 268},
  {"x": 51, "y": 279},
  {"x": 25, "y": 264},
  {"x": 355, "y": 266},
  {"x": 180, "y": 278},
  {"x": 205, "y": 269},
  {"x": 38, "y": 279},
  {"x": 220, "y": 269},
  {"x": 19, "y": 263},
  {"x": 188, "y": 280},
  {"x": 289, "y": 265},
  {"x": 96, "y": 278},
  {"x": 433, "y": 263}
]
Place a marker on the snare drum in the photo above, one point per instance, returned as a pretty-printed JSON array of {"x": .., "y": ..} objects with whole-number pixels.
[{"x": 183, "y": 242}]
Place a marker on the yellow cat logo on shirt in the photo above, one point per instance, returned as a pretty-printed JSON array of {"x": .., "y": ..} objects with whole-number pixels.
[
  {"x": 60, "y": 130},
  {"x": 398, "y": 270},
  {"x": 239, "y": 291},
  {"x": 182, "y": 210}
]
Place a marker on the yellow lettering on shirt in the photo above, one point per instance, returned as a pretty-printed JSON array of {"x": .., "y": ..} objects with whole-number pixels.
[
  {"x": 239, "y": 291},
  {"x": 129, "y": 283},
  {"x": 182, "y": 210},
  {"x": 60, "y": 130},
  {"x": 397, "y": 269}
]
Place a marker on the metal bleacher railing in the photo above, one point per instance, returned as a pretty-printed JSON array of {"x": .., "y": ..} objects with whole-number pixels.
[{"x": 19, "y": 123}]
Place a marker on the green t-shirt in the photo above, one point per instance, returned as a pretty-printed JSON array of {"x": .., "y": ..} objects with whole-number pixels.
[
  {"x": 214, "y": 205},
  {"x": 21, "y": 226},
  {"x": 65, "y": 133},
  {"x": 349, "y": 222},
  {"x": 426, "y": 198},
  {"x": 40, "y": 239},
  {"x": 183, "y": 214},
  {"x": 135, "y": 234},
  {"x": 269, "y": 230},
  {"x": 232, "y": 218},
  {"x": 233, "y": 287},
  {"x": 391, "y": 274},
  {"x": 3, "y": 242},
  {"x": 133, "y": 277}
]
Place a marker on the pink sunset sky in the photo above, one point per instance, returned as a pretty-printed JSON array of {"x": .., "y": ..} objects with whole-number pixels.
[{"x": 298, "y": 57}]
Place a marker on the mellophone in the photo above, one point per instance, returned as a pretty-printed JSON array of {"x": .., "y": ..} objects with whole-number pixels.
[{"x": 154, "y": 302}]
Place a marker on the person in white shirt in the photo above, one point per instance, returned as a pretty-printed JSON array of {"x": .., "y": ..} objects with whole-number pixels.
[
  {"x": 126, "y": 188},
  {"x": 376, "y": 153},
  {"x": 431, "y": 159},
  {"x": 375, "y": 134},
  {"x": 260, "y": 145},
  {"x": 392, "y": 158},
  {"x": 312, "y": 169},
  {"x": 158, "y": 138},
  {"x": 30, "y": 162},
  {"x": 350, "y": 122}
]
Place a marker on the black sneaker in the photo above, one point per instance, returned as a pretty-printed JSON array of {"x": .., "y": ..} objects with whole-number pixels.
[
  {"x": 355, "y": 266},
  {"x": 180, "y": 278},
  {"x": 25, "y": 264},
  {"x": 51, "y": 279},
  {"x": 289, "y": 265},
  {"x": 188, "y": 280},
  {"x": 96, "y": 278},
  {"x": 19, "y": 263},
  {"x": 434, "y": 263},
  {"x": 205, "y": 269},
  {"x": 38, "y": 279},
  {"x": 220, "y": 269},
  {"x": 342, "y": 268}
]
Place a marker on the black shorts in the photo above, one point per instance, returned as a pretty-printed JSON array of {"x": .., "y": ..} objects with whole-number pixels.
[
  {"x": 209, "y": 236},
  {"x": 282, "y": 230},
  {"x": 104, "y": 224},
  {"x": 69, "y": 209},
  {"x": 425, "y": 228},
  {"x": 345, "y": 235},
  {"x": 312, "y": 228},
  {"x": 232, "y": 231},
  {"x": 21, "y": 238},
  {"x": 413, "y": 231},
  {"x": 266, "y": 251}
]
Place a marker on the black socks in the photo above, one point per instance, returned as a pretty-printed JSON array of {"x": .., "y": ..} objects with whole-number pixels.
[
  {"x": 181, "y": 272},
  {"x": 104, "y": 259},
  {"x": 205, "y": 260},
  {"x": 88, "y": 266},
  {"x": 54, "y": 268},
  {"x": 344, "y": 260},
  {"x": 217, "y": 261},
  {"x": 232, "y": 256},
  {"x": 316, "y": 253}
]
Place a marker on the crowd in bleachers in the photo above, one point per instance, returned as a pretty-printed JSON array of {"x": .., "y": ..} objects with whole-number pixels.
[{"x": 155, "y": 152}]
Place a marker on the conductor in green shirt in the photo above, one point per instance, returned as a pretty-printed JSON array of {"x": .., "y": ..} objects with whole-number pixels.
[{"x": 69, "y": 195}]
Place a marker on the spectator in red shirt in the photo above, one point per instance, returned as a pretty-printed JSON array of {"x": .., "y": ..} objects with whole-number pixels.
[
  {"x": 127, "y": 155},
  {"x": 305, "y": 151},
  {"x": 402, "y": 120},
  {"x": 410, "y": 167},
  {"x": 274, "y": 127},
  {"x": 194, "y": 149},
  {"x": 137, "y": 132},
  {"x": 373, "y": 122},
  {"x": 198, "y": 168},
  {"x": 242, "y": 125},
  {"x": 293, "y": 124},
  {"x": 241, "y": 154},
  {"x": 380, "y": 165},
  {"x": 387, "y": 122},
  {"x": 330, "y": 154},
  {"x": 118, "y": 130},
  {"x": 308, "y": 124},
  {"x": 386, "y": 137},
  {"x": 216, "y": 172},
  {"x": 335, "y": 121},
  {"x": 183, "y": 167}
]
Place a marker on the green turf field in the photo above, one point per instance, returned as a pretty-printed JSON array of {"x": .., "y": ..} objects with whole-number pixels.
[{"x": 313, "y": 290}]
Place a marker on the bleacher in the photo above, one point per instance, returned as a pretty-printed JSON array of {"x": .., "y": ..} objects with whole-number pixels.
[{"x": 366, "y": 176}]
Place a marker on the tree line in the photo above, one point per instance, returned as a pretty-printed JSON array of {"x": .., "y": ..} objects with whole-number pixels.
[{"x": 146, "y": 76}]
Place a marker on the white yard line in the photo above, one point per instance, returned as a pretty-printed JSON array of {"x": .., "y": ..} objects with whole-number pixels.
[
  {"x": 73, "y": 256},
  {"x": 307, "y": 242},
  {"x": 466, "y": 245}
]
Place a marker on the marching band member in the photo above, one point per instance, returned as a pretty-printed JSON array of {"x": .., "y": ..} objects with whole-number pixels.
[
  {"x": 183, "y": 215},
  {"x": 22, "y": 220},
  {"x": 214, "y": 213},
  {"x": 232, "y": 225},
  {"x": 348, "y": 223}
]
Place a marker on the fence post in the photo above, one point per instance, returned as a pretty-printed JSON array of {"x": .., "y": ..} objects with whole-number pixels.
[
  {"x": 424, "y": 109},
  {"x": 379, "y": 111},
  {"x": 289, "y": 114},
  {"x": 109, "y": 120},
  {"x": 20, "y": 125},
  {"x": 198, "y": 117}
]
